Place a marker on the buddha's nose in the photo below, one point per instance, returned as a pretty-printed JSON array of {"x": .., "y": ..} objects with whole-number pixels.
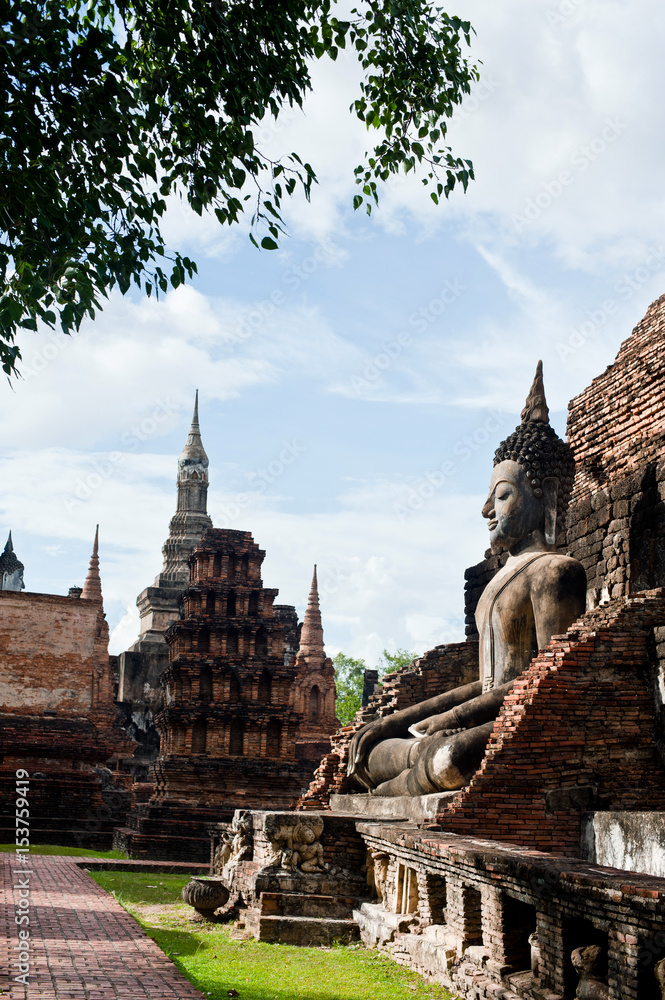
[{"x": 488, "y": 509}]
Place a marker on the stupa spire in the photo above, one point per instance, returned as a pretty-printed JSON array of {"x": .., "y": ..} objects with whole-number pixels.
[
  {"x": 92, "y": 588},
  {"x": 311, "y": 635},
  {"x": 193, "y": 454},
  {"x": 193, "y": 469},
  {"x": 536, "y": 409}
]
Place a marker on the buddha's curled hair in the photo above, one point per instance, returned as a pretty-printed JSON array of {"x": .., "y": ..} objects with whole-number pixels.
[{"x": 536, "y": 446}]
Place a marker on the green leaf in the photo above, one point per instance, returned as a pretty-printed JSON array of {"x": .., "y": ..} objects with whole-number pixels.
[{"x": 268, "y": 244}]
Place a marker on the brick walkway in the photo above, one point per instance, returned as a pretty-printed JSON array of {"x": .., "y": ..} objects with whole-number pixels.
[{"x": 84, "y": 946}]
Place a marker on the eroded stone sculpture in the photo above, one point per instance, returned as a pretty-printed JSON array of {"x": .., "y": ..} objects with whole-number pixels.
[
  {"x": 296, "y": 847},
  {"x": 659, "y": 973},
  {"x": 379, "y": 862},
  {"x": 236, "y": 845},
  {"x": 587, "y": 963},
  {"x": 537, "y": 594}
]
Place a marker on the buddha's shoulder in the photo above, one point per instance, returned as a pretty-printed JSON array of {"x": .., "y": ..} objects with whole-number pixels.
[{"x": 557, "y": 567}]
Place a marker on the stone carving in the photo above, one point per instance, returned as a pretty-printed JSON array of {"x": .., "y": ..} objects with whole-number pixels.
[
  {"x": 296, "y": 847},
  {"x": 534, "y": 944},
  {"x": 236, "y": 845},
  {"x": 659, "y": 973},
  {"x": 205, "y": 895},
  {"x": 537, "y": 594},
  {"x": 587, "y": 962},
  {"x": 379, "y": 862}
]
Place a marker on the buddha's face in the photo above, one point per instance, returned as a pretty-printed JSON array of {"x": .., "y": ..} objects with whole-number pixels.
[
  {"x": 13, "y": 581},
  {"x": 513, "y": 512}
]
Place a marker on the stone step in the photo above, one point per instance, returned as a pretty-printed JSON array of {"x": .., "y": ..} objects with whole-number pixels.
[
  {"x": 305, "y": 931},
  {"x": 285, "y": 904}
]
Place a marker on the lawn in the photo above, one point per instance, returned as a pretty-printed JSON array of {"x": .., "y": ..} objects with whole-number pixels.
[
  {"x": 218, "y": 959},
  {"x": 72, "y": 852}
]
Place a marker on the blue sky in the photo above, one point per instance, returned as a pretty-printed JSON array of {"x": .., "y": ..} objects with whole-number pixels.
[{"x": 355, "y": 383}]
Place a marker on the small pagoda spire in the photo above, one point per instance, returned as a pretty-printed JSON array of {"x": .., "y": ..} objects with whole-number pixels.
[
  {"x": 92, "y": 588},
  {"x": 536, "y": 409},
  {"x": 311, "y": 635}
]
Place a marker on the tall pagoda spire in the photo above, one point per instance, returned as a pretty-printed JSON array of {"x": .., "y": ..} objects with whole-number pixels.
[
  {"x": 311, "y": 636},
  {"x": 92, "y": 588},
  {"x": 193, "y": 469},
  {"x": 191, "y": 517}
]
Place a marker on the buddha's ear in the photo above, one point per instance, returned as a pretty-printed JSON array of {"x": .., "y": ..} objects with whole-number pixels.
[{"x": 550, "y": 489}]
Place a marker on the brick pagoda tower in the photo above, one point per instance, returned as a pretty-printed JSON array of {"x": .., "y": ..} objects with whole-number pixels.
[
  {"x": 315, "y": 683},
  {"x": 243, "y": 717}
]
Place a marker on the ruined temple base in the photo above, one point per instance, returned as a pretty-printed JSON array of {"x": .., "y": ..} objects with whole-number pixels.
[
  {"x": 412, "y": 809},
  {"x": 490, "y": 919}
]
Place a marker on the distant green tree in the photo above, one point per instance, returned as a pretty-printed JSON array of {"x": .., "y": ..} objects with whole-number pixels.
[
  {"x": 349, "y": 675},
  {"x": 349, "y": 683},
  {"x": 390, "y": 662}
]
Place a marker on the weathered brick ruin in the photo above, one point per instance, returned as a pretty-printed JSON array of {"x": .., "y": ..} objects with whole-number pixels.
[
  {"x": 615, "y": 427},
  {"x": 57, "y": 716},
  {"x": 493, "y": 898},
  {"x": 246, "y": 710}
]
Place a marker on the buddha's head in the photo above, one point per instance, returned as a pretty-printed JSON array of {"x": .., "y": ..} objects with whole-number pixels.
[
  {"x": 11, "y": 569},
  {"x": 532, "y": 479}
]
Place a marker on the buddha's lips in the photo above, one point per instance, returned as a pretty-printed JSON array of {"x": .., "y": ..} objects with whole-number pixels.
[{"x": 492, "y": 525}]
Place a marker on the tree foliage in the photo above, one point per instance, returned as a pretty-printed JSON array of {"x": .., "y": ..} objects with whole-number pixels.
[
  {"x": 108, "y": 107},
  {"x": 349, "y": 678}
]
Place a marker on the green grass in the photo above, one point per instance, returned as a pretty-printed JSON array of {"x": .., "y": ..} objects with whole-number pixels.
[
  {"x": 73, "y": 852},
  {"x": 216, "y": 959}
]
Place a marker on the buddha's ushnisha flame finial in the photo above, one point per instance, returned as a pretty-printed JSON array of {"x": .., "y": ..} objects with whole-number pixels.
[
  {"x": 536, "y": 409},
  {"x": 92, "y": 588}
]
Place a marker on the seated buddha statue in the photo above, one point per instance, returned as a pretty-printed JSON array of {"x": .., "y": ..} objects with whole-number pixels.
[{"x": 438, "y": 744}]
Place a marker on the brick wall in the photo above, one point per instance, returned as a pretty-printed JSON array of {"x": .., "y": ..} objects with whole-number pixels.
[
  {"x": 58, "y": 719},
  {"x": 53, "y": 654},
  {"x": 616, "y": 428}
]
